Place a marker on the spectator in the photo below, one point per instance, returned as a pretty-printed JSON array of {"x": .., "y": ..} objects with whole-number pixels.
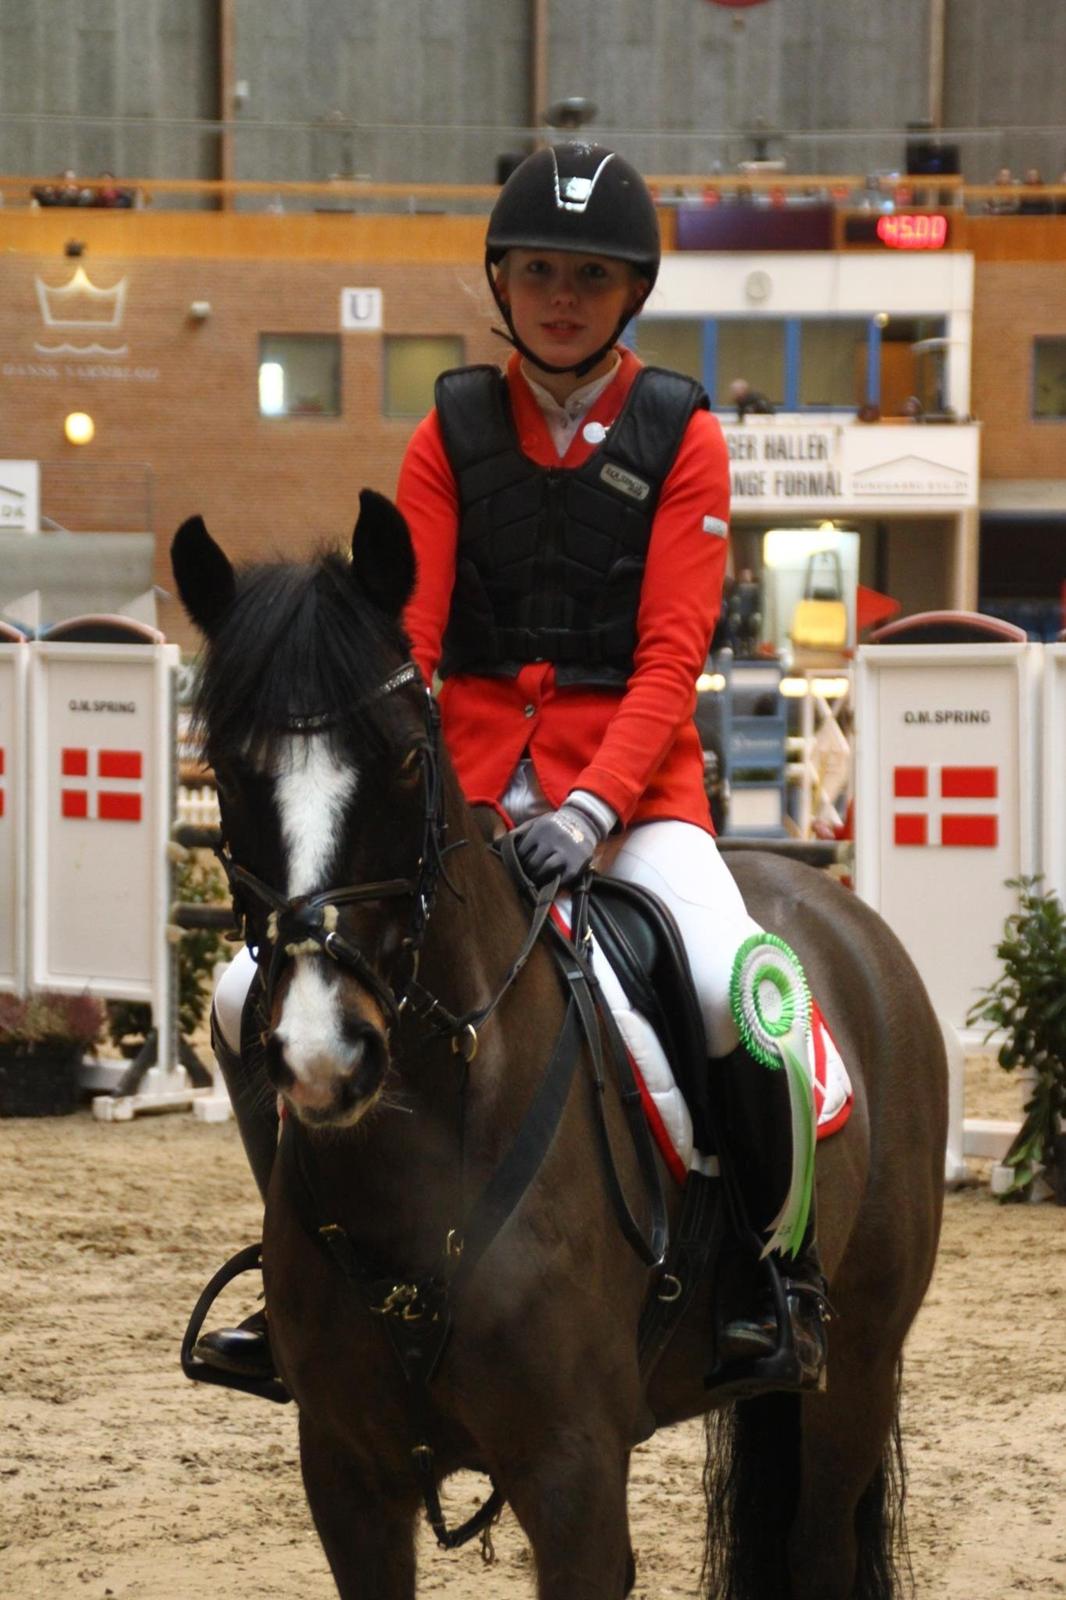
[
  {"x": 912, "y": 409},
  {"x": 65, "y": 191},
  {"x": 1034, "y": 205},
  {"x": 1002, "y": 205},
  {"x": 745, "y": 613},
  {"x": 868, "y": 412},
  {"x": 746, "y": 399},
  {"x": 109, "y": 195}
]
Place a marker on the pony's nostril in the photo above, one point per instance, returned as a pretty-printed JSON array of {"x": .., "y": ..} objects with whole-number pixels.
[
  {"x": 348, "y": 1095},
  {"x": 278, "y": 1070}
]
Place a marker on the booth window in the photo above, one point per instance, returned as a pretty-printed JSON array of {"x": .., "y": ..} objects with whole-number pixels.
[
  {"x": 673, "y": 342},
  {"x": 299, "y": 375},
  {"x": 752, "y": 348},
  {"x": 833, "y": 362},
  {"x": 413, "y": 363},
  {"x": 1049, "y": 380}
]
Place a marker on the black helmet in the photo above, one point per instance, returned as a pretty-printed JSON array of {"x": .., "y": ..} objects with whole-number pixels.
[
  {"x": 581, "y": 198},
  {"x": 577, "y": 197}
]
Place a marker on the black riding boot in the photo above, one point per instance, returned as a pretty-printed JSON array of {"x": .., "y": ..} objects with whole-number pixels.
[
  {"x": 775, "y": 1334},
  {"x": 245, "y": 1349}
]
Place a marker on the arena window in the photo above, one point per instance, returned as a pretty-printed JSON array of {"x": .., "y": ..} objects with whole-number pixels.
[
  {"x": 1049, "y": 380},
  {"x": 299, "y": 375},
  {"x": 833, "y": 360},
  {"x": 412, "y": 364},
  {"x": 674, "y": 342}
]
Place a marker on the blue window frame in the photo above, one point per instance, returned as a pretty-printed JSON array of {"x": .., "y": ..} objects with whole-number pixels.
[{"x": 771, "y": 352}]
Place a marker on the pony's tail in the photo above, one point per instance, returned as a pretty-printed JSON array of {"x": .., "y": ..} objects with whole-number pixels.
[
  {"x": 750, "y": 1480},
  {"x": 751, "y": 1484}
]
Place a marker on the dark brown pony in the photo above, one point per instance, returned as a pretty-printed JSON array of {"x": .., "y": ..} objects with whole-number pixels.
[{"x": 392, "y": 1135}]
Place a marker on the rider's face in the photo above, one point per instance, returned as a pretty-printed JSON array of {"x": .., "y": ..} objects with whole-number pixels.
[{"x": 565, "y": 306}]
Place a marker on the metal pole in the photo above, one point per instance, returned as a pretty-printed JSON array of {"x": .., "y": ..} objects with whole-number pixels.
[
  {"x": 937, "y": 33},
  {"x": 227, "y": 39},
  {"x": 538, "y": 81}
]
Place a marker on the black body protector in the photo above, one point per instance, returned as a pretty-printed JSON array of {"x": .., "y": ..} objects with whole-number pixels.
[{"x": 550, "y": 561}]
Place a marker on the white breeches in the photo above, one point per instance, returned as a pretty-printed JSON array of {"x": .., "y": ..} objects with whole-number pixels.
[
  {"x": 231, "y": 991},
  {"x": 680, "y": 863}
]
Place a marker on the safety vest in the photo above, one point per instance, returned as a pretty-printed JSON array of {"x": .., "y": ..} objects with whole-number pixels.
[{"x": 550, "y": 560}]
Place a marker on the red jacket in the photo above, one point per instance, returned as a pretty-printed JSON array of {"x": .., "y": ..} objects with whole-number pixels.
[{"x": 639, "y": 751}]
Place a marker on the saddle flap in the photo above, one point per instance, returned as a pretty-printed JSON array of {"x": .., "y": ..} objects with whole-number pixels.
[{"x": 640, "y": 940}]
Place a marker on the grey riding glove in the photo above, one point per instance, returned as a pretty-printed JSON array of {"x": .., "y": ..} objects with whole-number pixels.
[{"x": 561, "y": 843}]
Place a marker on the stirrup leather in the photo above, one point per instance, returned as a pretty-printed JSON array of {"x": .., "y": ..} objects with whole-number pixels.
[{"x": 247, "y": 1260}]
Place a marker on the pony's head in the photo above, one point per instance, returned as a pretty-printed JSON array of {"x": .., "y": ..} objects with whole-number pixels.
[{"x": 318, "y": 739}]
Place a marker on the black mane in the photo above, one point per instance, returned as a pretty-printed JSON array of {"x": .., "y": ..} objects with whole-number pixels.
[{"x": 298, "y": 641}]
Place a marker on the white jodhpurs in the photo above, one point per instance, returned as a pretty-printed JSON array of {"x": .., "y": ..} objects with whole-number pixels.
[
  {"x": 680, "y": 863},
  {"x": 231, "y": 991},
  {"x": 675, "y": 860}
]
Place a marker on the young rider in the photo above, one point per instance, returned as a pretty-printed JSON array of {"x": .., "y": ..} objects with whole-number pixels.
[{"x": 569, "y": 522}]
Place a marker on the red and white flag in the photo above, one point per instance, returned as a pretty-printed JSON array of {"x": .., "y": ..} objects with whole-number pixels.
[
  {"x": 101, "y": 785},
  {"x": 952, "y": 806}
]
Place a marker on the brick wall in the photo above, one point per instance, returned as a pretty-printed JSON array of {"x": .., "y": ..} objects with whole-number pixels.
[
  {"x": 182, "y": 396},
  {"x": 1014, "y": 302}
]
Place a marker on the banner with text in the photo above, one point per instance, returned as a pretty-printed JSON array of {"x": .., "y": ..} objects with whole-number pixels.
[{"x": 851, "y": 467}]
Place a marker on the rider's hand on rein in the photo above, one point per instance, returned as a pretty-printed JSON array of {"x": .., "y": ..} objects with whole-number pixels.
[{"x": 561, "y": 843}]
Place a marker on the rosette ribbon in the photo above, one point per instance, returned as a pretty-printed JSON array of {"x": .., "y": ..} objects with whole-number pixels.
[{"x": 772, "y": 1011}]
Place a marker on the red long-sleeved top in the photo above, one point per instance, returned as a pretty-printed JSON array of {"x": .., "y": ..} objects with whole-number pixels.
[{"x": 638, "y": 750}]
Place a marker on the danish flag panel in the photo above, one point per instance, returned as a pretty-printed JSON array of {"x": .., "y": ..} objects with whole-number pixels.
[
  {"x": 939, "y": 820},
  {"x": 111, "y": 789}
]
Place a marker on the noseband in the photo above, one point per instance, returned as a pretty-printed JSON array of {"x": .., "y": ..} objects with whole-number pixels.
[{"x": 308, "y": 924}]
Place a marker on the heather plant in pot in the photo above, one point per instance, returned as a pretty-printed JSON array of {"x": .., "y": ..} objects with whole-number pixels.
[
  {"x": 43, "y": 1037},
  {"x": 1026, "y": 1006}
]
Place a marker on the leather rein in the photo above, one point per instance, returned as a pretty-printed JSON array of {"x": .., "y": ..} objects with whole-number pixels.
[{"x": 417, "y": 1314}]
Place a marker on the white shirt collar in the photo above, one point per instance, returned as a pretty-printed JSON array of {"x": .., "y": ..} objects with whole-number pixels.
[{"x": 564, "y": 420}]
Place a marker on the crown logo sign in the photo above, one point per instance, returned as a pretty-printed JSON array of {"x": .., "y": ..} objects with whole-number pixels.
[{"x": 80, "y": 304}]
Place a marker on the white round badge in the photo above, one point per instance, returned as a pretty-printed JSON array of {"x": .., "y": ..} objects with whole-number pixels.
[{"x": 594, "y": 433}]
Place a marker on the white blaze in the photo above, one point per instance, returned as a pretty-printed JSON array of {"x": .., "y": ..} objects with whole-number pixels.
[{"x": 313, "y": 794}]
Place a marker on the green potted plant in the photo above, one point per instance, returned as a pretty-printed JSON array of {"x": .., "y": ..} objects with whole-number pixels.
[
  {"x": 1027, "y": 1004},
  {"x": 43, "y": 1037}
]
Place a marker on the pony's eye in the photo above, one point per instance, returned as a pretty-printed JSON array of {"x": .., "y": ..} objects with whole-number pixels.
[{"x": 410, "y": 767}]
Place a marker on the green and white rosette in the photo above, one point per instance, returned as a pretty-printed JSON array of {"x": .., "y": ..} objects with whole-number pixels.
[{"x": 772, "y": 1010}]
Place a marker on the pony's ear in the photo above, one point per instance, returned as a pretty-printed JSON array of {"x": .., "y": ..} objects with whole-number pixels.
[
  {"x": 383, "y": 561},
  {"x": 203, "y": 574}
]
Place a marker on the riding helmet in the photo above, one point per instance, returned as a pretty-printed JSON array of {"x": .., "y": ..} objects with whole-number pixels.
[{"x": 580, "y": 198}]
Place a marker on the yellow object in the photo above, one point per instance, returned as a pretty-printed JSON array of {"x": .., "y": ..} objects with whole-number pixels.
[
  {"x": 820, "y": 625},
  {"x": 820, "y": 620},
  {"x": 79, "y": 427}
]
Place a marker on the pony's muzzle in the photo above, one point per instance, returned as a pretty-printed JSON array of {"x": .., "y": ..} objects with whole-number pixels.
[{"x": 334, "y": 1084}]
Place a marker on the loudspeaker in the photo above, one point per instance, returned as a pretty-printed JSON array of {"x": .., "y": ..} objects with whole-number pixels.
[{"x": 929, "y": 158}]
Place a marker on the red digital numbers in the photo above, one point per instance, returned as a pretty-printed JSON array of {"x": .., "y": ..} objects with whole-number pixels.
[{"x": 922, "y": 230}]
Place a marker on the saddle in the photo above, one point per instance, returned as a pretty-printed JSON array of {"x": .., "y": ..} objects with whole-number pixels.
[{"x": 640, "y": 940}]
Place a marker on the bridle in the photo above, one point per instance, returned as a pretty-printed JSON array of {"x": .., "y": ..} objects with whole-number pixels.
[{"x": 308, "y": 924}]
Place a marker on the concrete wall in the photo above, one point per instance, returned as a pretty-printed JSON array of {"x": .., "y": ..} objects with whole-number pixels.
[
  {"x": 367, "y": 86},
  {"x": 73, "y": 60},
  {"x": 1005, "y": 70}
]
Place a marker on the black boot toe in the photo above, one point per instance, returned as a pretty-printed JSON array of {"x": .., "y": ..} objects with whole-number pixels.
[{"x": 244, "y": 1350}]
